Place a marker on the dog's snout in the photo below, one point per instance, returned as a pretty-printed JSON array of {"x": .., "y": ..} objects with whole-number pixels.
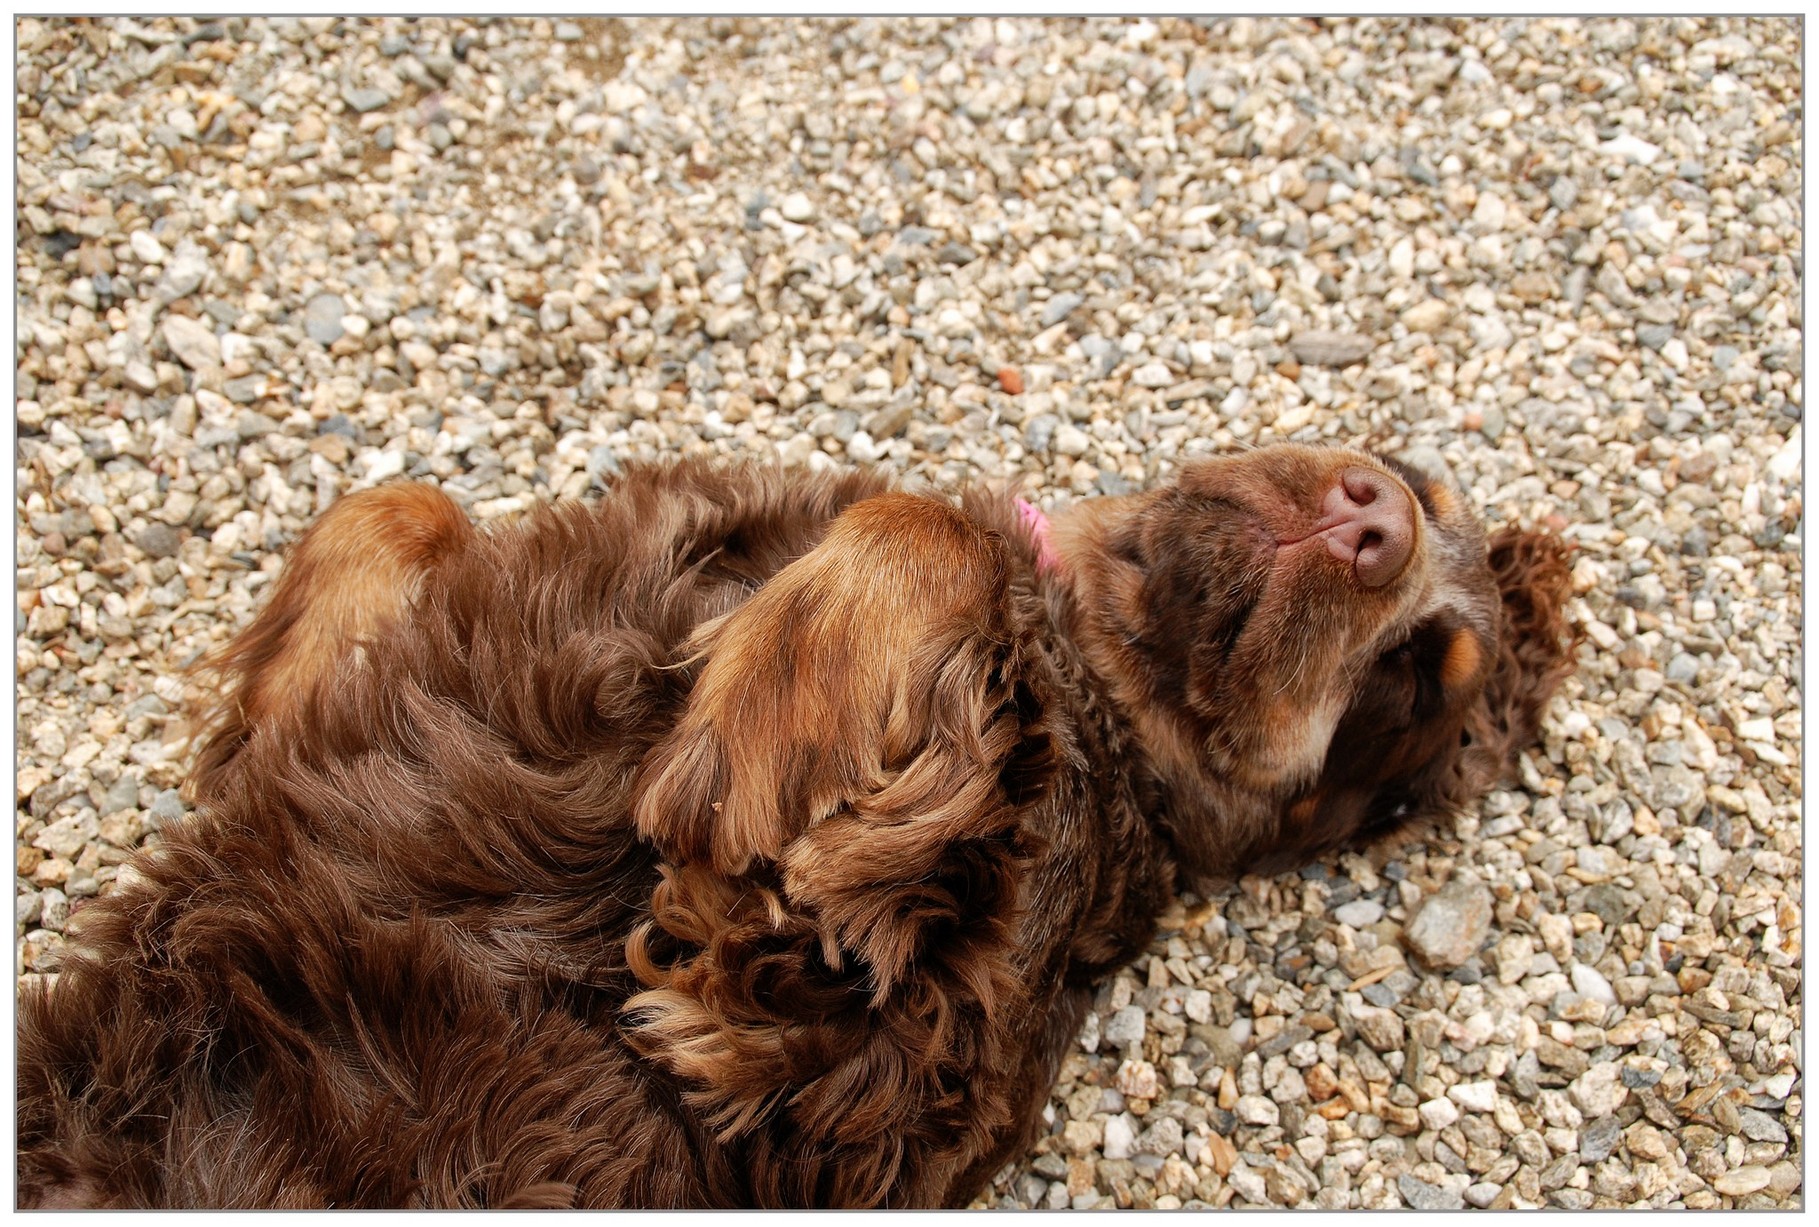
[{"x": 1368, "y": 520}]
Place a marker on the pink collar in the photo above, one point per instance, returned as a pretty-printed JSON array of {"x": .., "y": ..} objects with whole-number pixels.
[{"x": 1036, "y": 524}]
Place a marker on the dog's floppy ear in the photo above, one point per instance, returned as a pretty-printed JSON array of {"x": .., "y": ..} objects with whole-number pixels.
[
  {"x": 831, "y": 954},
  {"x": 1535, "y": 649}
]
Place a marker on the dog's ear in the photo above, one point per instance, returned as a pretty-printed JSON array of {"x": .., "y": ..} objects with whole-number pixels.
[
  {"x": 1535, "y": 650},
  {"x": 831, "y": 951}
]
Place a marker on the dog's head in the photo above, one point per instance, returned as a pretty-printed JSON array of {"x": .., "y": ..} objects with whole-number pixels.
[{"x": 1317, "y": 645}]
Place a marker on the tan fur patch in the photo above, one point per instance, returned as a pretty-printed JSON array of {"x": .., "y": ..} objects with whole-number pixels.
[
  {"x": 1463, "y": 656},
  {"x": 1441, "y": 498},
  {"x": 356, "y": 567}
]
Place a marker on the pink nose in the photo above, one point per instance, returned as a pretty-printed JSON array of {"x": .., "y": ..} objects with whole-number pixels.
[{"x": 1367, "y": 520}]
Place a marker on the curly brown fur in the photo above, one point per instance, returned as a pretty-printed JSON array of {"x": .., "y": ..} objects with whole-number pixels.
[{"x": 744, "y": 838}]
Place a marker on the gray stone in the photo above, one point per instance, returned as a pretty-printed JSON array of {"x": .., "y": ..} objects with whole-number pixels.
[
  {"x": 1639, "y": 1079},
  {"x": 1161, "y": 1139},
  {"x": 1451, "y": 924},
  {"x": 53, "y": 909},
  {"x": 123, "y": 793},
  {"x": 1599, "y": 1090},
  {"x": 251, "y": 424},
  {"x": 158, "y": 540},
  {"x": 1380, "y": 1028},
  {"x": 1125, "y": 1028},
  {"x": 140, "y": 376},
  {"x": 183, "y": 275},
  {"x": 1759, "y": 1126},
  {"x": 1424, "y": 1196},
  {"x": 66, "y": 837},
  {"x": 246, "y": 389},
  {"x": 360, "y": 101},
  {"x": 1070, "y": 440},
  {"x": 322, "y": 318},
  {"x": 1059, "y": 307},
  {"x": 166, "y": 807},
  {"x": 1598, "y": 1138},
  {"x": 1324, "y": 348},
  {"x": 146, "y": 247}
]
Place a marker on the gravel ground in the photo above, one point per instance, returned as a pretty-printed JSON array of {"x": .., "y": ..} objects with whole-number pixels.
[{"x": 265, "y": 262}]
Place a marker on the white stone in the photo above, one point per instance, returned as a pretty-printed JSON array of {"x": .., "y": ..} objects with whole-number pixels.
[
  {"x": 1632, "y": 148},
  {"x": 1742, "y": 1180},
  {"x": 1474, "y": 1096},
  {"x": 1762, "y": 728},
  {"x": 146, "y": 248},
  {"x": 1256, "y": 1110},
  {"x": 796, "y": 207},
  {"x": 383, "y": 464},
  {"x": 1786, "y": 460},
  {"x": 1427, "y": 316},
  {"x": 1137, "y": 1080},
  {"x": 1070, "y": 440},
  {"x": 193, "y": 342},
  {"x": 1125, "y": 1027},
  {"x": 1120, "y": 1136},
  {"x": 1599, "y": 1091},
  {"x": 1490, "y": 211},
  {"x": 1247, "y": 1182},
  {"x": 1590, "y": 983},
  {"x": 1438, "y": 1113}
]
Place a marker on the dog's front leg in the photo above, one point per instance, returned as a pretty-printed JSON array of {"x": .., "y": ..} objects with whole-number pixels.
[
  {"x": 831, "y": 964},
  {"x": 356, "y": 568}
]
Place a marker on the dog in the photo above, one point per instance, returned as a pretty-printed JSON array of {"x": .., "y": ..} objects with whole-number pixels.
[{"x": 748, "y": 837}]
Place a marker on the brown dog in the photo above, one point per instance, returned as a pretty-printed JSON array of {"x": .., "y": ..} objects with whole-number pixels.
[{"x": 748, "y": 838}]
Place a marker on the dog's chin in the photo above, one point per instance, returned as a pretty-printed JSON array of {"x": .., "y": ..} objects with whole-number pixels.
[{"x": 1269, "y": 711}]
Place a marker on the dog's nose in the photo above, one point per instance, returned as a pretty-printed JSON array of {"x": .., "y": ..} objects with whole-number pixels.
[{"x": 1368, "y": 520}]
